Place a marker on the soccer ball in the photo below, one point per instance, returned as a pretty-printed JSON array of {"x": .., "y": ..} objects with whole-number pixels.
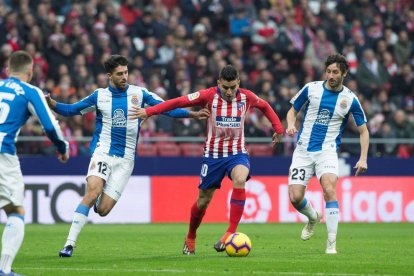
[{"x": 238, "y": 245}]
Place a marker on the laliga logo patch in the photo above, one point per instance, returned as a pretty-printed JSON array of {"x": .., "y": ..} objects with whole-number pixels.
[
  {"x": 134, "y": 100},
  {"x": 258, "y": 204},
  {"x": 343, "y": 104},
  {"x": 193, "y": 96}
]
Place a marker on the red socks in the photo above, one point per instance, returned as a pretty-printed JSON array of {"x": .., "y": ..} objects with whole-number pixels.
[
  {"x": 195, "y": 220},
  {"x": 238, "y": 198}
]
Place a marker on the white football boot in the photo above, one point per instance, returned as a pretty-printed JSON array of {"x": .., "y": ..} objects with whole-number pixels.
[
  {"x": 309, "y": 229},
  {"x": 330, "y": 247}
]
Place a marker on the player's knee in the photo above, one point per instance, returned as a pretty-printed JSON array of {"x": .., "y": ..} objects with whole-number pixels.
[
  {"x": 295, "y": 198},
  {"x": 239, "y": 182}
]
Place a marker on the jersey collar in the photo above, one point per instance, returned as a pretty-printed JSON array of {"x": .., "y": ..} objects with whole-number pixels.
[
  {"x": 117, "y": 91},
  {"x": 332, "y": 91}
]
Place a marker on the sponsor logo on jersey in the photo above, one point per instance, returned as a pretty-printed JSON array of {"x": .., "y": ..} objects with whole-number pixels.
[
  {"x": 193, "y": 96},
  {"x": 118, "y": 119},
  {"x": 134, "y": 100},
  {"x": 323, "y": 117},
  {"x": 228, "y": 122},
  {"x": 343, "y": 104}
]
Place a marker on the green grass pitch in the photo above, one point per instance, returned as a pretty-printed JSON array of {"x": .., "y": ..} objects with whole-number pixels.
[{"x": 155, "y": 249}]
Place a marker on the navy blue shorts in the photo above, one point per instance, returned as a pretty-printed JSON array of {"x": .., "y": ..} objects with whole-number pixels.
[{"x": 213, "y": 170}]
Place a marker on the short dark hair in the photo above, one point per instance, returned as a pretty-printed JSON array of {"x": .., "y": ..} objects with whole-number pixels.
[
  {"x": 340, "y": 60},
  {"x": 115, "y": 61},
  {"x": 229, "y": 73},
  {"x": 19, "y": 61}
]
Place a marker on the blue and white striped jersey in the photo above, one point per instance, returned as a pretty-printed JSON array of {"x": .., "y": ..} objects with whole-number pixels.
[
  {"x": 326, "y": 115},
  {"x": 115, "y": 134},
  {"x": 19, "y": 100}
]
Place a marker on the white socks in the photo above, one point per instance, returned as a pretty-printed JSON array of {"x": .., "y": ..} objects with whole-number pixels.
[
  {"x": 12, "y": 239},
  {"x": 307, "y": 209},
  {"x": 80, "y": 218},
  {"x": 332, "y": 219}
]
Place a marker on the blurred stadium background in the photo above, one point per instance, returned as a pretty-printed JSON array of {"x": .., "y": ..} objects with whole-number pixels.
[{"x": 177, "y": 47}]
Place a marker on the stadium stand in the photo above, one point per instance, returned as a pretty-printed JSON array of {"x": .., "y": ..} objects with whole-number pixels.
[{"x": 176, "y": 47}]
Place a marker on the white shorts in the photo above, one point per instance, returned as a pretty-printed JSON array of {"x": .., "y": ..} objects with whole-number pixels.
[
  {"x": 114, "y": 170},
  {"x": 305, "y": 164},
  {"x": 11, "y": 181}
]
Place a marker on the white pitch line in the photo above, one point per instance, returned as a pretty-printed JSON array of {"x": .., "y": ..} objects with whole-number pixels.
[{"x": 191, "y": 271}]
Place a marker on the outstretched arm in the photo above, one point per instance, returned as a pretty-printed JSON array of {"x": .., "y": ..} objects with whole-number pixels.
[
  {"x": 362, "y": 166},
  {"x": 193, "y": 99},
  {"x": 39, "y": 108},
  {"x": 153, "y": 99},
  {"x": 84, "y": 106}
]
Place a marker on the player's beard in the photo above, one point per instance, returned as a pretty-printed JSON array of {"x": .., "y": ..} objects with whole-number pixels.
[
  {"x": 121, "y": 84},
  {"x": 334, "y": 84}
]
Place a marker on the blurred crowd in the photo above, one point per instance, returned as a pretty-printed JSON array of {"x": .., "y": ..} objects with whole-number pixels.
[{"x": 176, "y": 47}]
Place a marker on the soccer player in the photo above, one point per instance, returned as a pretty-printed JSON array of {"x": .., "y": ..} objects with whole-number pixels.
[
  {"x": 328, "y": 106},
  {"x": 114, "y": 141},
  {"x": 19, "y": 100},
  {"x": 224, "y": 150}
]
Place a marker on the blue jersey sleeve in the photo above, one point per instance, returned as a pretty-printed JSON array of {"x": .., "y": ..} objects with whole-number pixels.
[
  {"x": 150, "y": 98},
  {"x": 300, "y": 98},
  {"x": 39, "y": 108},
  {"x": 85, "y": 105},
  {"x": 358, "y": 113}
]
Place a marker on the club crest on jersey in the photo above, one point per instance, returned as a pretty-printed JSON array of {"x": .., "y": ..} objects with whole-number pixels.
[
  {"x": 241, "y": 107},
  {"x": 228, "y": 122},
  {"x": 134, "y": 100},
  {"x": 193, "y": 96},
  {"x": 118, "y": 119},
  {"x": 323, "y": 117},
  {"x": 343, "y": 104}
]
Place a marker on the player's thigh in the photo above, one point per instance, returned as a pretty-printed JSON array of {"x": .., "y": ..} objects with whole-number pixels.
[
  {"x": 121, "y": 172},
  {"x": 11, "y": 181},
  {"x": 302, "y": 168},
  {"x": 212, "y": 173}
]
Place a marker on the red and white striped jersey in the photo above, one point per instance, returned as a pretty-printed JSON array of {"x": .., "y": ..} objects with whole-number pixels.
[{"x": 225, "y": 127}]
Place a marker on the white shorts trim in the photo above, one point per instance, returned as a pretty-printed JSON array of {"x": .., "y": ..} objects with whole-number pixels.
[
  {"x": 11, "y": 181},
  {"x": 116, "y": 172}
]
